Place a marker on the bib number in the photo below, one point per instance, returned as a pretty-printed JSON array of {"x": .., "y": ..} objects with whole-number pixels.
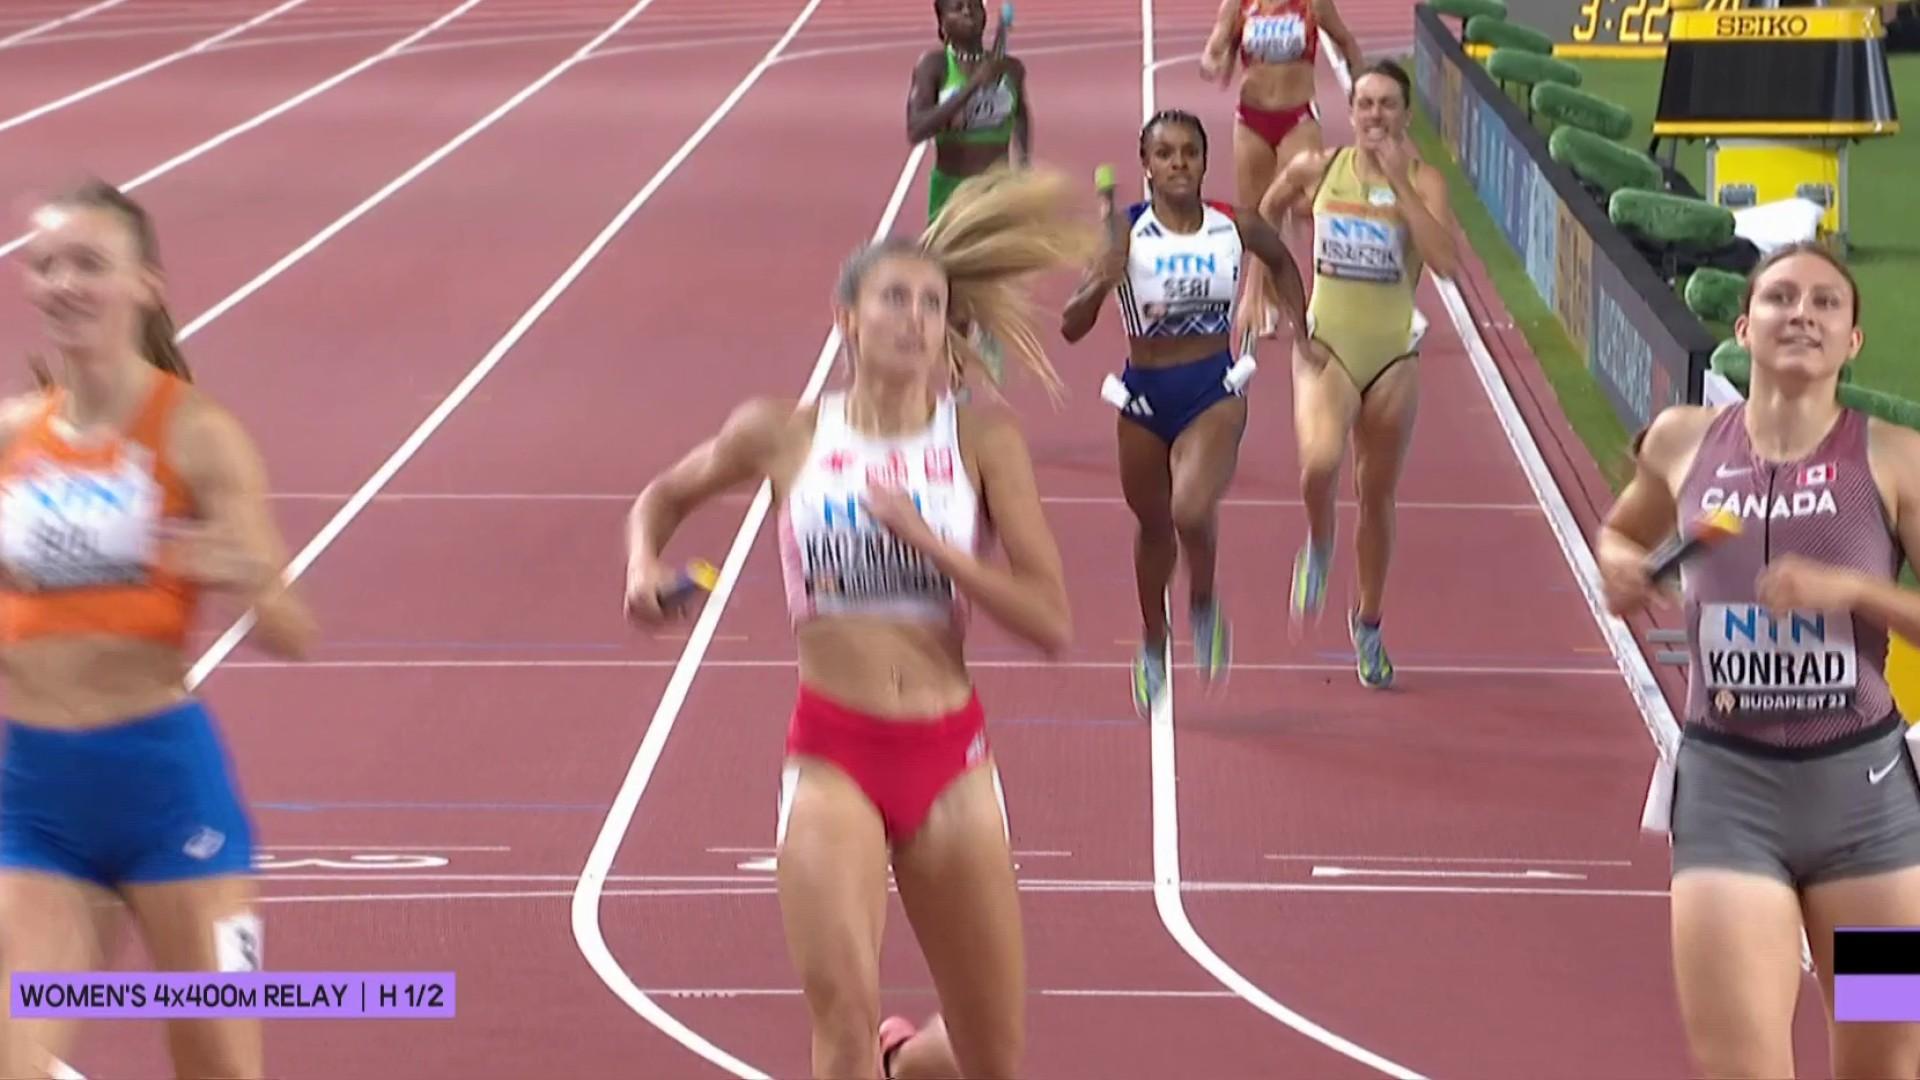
[{"x": 1758, "y": 661}]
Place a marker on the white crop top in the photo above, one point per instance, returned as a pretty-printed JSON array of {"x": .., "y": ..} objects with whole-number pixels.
[
  {"x": 836, "y": 560},
  {"x": 1180, "y": 284}
]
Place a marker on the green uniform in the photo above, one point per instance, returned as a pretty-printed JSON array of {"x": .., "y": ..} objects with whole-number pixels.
[{"x": 987, "y": 119}]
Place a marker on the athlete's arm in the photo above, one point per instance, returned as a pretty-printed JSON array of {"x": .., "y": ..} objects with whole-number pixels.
[
  {"x": 738, "y": 455},
  {"x": 1429, "y": 216},
  {"x": 1022, "y": 118},
  {"x": 1795, "y": 582},
  {"x": 1295, "y": 184},
  {"x": 1216, "y": 61},
  {"x": 1029, "y": 595},
  {"x": 1106, "y": 273},
  {"x": 1646, "y": 512},
  {"x": 234, "y": 545},
  {"x": 1328, "y": 15},
  {"x": 1266, "y": 245}
]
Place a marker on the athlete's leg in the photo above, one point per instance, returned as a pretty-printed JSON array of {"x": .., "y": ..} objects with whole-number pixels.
[
  {"x": 1204, "y": 458},
  {"x": 1146, "y": 479},
  {"x": 47, "y": 923},
  {"x": 1325, "y": 404},
  {"x": 207, "y": 924},
  {"x": 1891, "y": 899},
  {"x": 957, "y": 886},
  {"x": 1381, "y": 437},
  {"x": 1736, "y": 966},
  {"x": 831, "y": 865}
]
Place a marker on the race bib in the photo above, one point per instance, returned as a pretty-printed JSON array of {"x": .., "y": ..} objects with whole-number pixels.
[
  {"x": 1275, "y": 39},
  {"x": 1354, "y": 247},
  {"x": 1760, "y": 661}
]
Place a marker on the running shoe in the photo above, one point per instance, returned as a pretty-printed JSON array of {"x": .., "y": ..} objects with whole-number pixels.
[
  {"x": 1309, "y": 581},
  {"x": 1149, "y": 678},
  {"x": 1376, "y": 671},
  {"x": 894, "y": 1033},
  {"x": 1212, "y": 642}
]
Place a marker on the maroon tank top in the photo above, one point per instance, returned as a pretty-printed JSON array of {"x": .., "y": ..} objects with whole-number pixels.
[{"x": 1805, "y": 678}]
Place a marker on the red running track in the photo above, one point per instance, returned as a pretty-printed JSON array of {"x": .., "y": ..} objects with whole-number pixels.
[{"x": 1447, "y": 879}]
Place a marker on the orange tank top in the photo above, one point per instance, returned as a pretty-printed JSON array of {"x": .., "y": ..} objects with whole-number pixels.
[{"x": 77, "y": 524}]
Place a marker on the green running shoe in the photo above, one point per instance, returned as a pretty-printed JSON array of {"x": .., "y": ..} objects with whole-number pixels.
[
  {"x": 1212, "y": 642},
  {"x": 1149, "y": 678},
  {"x": 1376, "y": 671}
]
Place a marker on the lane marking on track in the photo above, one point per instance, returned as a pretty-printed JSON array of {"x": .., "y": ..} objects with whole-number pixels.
[
  {"x": 392, "y": 188},
  {"x": 1167, "y": 897},
  {"x": 151, "y": 66},
  {"x": 1460, "y": 859},
  {"x": 1380, "y": 871},
  {"x": 284, "y": 107},
  {"x": 54, "y": 24}
]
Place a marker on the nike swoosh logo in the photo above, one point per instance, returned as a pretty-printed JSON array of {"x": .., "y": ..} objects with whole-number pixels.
[
  {"x": 1723, "y": 472},
  {"x": 1874, "y": 776}
]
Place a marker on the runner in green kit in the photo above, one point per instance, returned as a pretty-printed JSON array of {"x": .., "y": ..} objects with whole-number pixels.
[{"x": 972, "y": 102}]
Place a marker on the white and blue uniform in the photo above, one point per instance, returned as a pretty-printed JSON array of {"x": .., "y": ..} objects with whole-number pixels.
[{"x": 1179, "y": 285}]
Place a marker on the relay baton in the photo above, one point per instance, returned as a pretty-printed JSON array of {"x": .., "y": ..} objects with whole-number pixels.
[
  {"x": 1000, "y": 35},
  {"x": 699, "y": 577},
  {"x": 1697, "y": 537}
]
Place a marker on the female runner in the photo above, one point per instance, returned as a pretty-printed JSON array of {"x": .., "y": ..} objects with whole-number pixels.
[
  {"x": 974, "y": 106},
  {"x": 124, "y": 492},
  {"x": 1177, "y": 266},
  {"x": 1796, "y": 802},
  {"x": 888, "y": 492},
  {"x": 1277, "y": 44},
  {"x": 1379, "y": 218}
]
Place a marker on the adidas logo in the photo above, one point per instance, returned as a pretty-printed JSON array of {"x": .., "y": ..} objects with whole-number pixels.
[{"x": 1138, "y": 406}]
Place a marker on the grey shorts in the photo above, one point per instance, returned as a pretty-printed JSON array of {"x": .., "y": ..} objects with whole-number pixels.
[{"x": 1799, "y": 818}]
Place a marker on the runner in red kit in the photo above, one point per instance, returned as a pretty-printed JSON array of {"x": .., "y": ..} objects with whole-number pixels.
[{"x": 888, "y": 494}]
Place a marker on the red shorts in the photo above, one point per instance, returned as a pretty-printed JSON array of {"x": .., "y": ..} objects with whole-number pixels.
[
  {"x": 902, "y": 766},
  {"x": 1272, "y": 125}
]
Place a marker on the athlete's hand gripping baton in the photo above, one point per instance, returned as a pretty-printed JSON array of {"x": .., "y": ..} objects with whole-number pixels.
[
  {"x": 1112, "y": 390},
  {"x": 699, "y": 577},
  {"x": 1666, "y": 560}
]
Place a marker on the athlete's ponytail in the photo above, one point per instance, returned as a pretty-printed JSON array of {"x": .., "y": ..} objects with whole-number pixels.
[
  {"x": 996, "y": 231},
  {"x": 159, "y": 341}
]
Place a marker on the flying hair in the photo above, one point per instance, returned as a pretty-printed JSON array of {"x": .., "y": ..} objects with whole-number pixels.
[
  {"x": 159, "y": 340},
  {"x": 996, "y": 231}
]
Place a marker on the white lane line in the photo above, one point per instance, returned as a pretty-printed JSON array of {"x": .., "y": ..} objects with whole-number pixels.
[
  {"x": 278, "y": 110},
  {"x": 1167, "y": 898},
  {"x": 394, "y": 186},
  {"x": 1454, "y": 859},
  {"x": 1491, "y": 875},
  {"x": 155, "y": 65},
  {"x": 54, "y": 24},
  {"x": 586, "y": 897}
]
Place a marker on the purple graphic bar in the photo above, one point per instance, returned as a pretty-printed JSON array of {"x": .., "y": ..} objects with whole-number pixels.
[
  {"x": 1876, "y": 998},
  {"x": 263, "y": 995}
]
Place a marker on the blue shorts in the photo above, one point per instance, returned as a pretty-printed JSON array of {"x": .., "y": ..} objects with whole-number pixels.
[
  {"x": 145, "y": 801},
  {"x": 1167, "y": 400}
]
